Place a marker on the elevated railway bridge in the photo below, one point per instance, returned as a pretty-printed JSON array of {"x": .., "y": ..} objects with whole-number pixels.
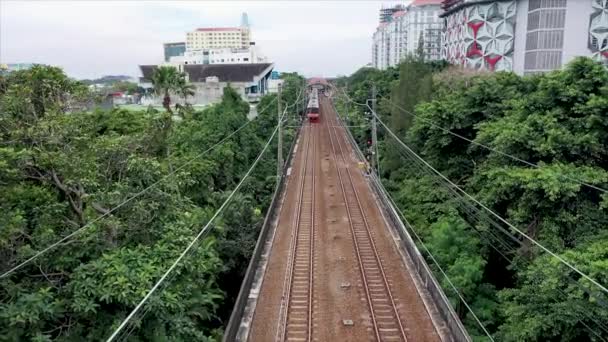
[{"x": 334, "y": 262}]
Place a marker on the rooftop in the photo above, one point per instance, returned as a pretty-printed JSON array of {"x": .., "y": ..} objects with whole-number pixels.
[
  {"x": 426, "y": 2},
  {"x": 213, "y": 29},
  {"x": 224, "y": 72}
]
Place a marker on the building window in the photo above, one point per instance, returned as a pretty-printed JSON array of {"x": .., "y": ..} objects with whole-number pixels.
[
  {"x": 543, "y": 60},
  {"x": 545, "y": 35},
  {"x": 545, "y": 40}
]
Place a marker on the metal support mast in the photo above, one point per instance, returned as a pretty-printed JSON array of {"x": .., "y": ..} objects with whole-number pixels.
[
  {"x": 279, "y": 136},
  {"x": 375, "y": 157},
  {"x": 347, "y": 105}
]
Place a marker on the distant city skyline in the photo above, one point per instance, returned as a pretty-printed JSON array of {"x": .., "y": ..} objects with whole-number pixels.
[{"x": 91, "y": 39}]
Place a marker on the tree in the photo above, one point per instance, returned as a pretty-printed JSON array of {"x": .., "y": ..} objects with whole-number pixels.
[
  {"x": 555, "y": 120},
  {"x": 185, "y": 89},
  {"x": 125, "y": 86},
  {"x": 551, "y": 302},
  {"x": 61, "y": 170},
  {"x": 166, "y": 79}
]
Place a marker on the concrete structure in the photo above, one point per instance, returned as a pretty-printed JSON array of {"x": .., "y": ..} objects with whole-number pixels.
[
  {"x": 273, "y": 85},
  {"x": 174, "y": 50},
  {"x": 220, "y": 56},
  {"x": 408, "y": 31},
  {"x": 274, "y": 82},
  {"x": 249, "y": 80},
  {"x": 525, "y": 36}
]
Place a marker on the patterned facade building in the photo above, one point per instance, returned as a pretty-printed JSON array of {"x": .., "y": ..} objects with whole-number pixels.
[
  {"x": 481, "y": 36},
  {"x": 407, "y": 31},
  {"x": 525, "y": 36},
  {"x": 598, "y": 30}
]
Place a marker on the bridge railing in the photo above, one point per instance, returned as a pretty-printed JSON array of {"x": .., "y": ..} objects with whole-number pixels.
[
  {"x": 454, "y": 325},
  {"x": 234, "y": 324}
]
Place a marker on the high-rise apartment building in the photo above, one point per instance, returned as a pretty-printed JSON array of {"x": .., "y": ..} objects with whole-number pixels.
[
  {"x": 220, "y": 37},
  {"x": 525, "y": 36},
  {"x": 386, "y": 13},
  {"x": 217, "y": 38},
  {"x": 215, "y": 45},
  {"x": 408, "y": 31}
]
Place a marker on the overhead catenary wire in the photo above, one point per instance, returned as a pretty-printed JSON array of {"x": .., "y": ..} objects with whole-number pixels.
[
  {"x": 297, "y": 99},
  {"x": 477, "y": 214},
  {"x": 562, "y": 260},
  {"x": 127, "y": 331},
  {"x": 504, "y": 154},
  {"x": 437, "y": 264},
  {"x": 490, "y": 211},
  {"x": 192, "y": 243},
  {"x": 106, "y": 214},
  {"x": 602, "y": 287},
  {"x": 481, "y": 217}
]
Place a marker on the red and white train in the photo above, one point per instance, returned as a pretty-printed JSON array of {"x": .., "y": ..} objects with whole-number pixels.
[{"x": 312, "y": 109}]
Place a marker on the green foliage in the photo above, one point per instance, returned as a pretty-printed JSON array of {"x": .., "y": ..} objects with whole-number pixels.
[
  {"x": 167, "y": 80},
  {"x": 548, "y": 304},
  {"x": 126, "y": 86},
  {"x": 557, "y": 121},
  {"x": 60, "y": 170}
]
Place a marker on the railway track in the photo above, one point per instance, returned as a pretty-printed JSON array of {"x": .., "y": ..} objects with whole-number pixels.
[
  {"x": 385, "y": 319},
  {"x": 296, "y": 323}
]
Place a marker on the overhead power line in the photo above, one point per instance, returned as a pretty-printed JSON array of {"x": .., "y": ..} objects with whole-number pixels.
[
  {"x": 97, "y": 219},
  {"x": 479, "y": 217},
  {"x": 490, "y": 211},
  {"x": 504, "y": 154},
  {"x": 454, "y": 195},
  {"x": 127, "y": 330},
  {"x": 192, "y": 243},
  {"x": 388, "y": 195},
  {"x": 437, "y": 264}
]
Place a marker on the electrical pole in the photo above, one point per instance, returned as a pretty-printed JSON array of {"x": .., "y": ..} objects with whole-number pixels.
[
  {"x": 347, "y": 105},
  {"x": 280, "y": 137},
  {"x": 375, "y": 158}
]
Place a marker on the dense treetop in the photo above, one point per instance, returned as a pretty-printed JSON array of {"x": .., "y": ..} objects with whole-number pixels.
[
  {"x": 61, "y": 169},
  {"x": 556, "y": 120}
]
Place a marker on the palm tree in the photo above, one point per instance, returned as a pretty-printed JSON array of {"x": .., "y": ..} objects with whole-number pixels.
[
  {"x": 165, "y": 80},
  {"x": 185, "y": 89}
]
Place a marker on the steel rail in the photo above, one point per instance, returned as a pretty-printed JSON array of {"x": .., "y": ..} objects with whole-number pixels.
[
  {"x": 364, "y": 276},
  {"x": 289, "y": 279}
]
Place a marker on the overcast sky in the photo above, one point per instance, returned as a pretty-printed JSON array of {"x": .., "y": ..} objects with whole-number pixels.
[{"x": 90, "y": 38}]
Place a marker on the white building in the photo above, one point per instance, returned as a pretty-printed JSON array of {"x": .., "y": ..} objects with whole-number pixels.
[
  {"x": 220, "y": 56},
  {"x": 405, "y": 32},
  {"x": 209, "y": 38},
  {"x": 524, "y": 36},
  {"x": 274, "y": 84},
  {"x": 249, "y": 80},
  {"x": 215, "y": 45},
  {"x": 218, "y": 37}
]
